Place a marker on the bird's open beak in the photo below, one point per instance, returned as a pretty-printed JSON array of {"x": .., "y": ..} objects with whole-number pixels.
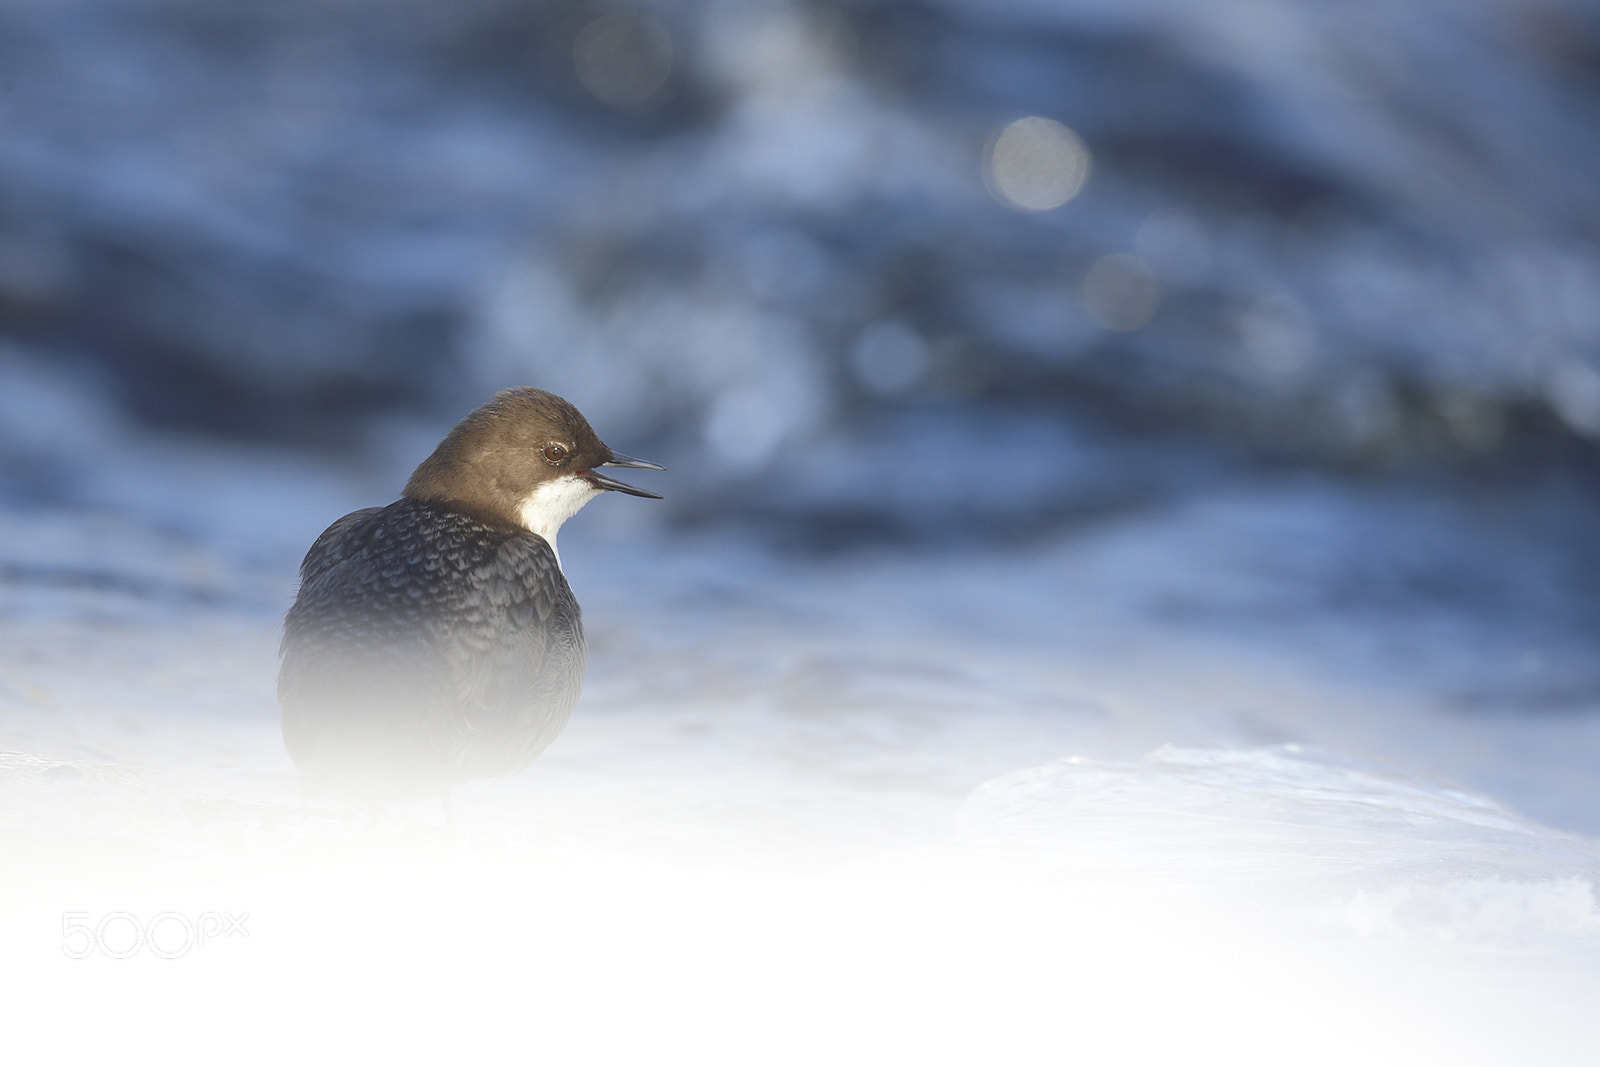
[{"x": 619, "y": 460}]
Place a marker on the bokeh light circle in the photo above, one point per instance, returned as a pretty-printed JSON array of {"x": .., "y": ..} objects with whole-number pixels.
[{"x": 1036, "y": 164}]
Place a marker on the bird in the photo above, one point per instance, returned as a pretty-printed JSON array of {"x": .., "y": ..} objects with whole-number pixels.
[{"x": 436, "y": 641}]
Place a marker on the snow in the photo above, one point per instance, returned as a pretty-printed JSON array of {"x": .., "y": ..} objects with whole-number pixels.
[{"x": 1139, "y": 793}]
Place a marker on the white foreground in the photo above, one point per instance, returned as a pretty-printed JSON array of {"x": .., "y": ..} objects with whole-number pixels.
[{"x": 1043, "y": 806}]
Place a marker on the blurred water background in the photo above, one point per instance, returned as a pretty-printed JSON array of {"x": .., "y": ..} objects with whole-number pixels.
[
  {"x": 761, "y": 236},
  {"x": 1039, "y": 381}
]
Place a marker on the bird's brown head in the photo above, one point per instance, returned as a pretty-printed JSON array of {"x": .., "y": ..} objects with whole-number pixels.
[{"x": 526, "y": 458}]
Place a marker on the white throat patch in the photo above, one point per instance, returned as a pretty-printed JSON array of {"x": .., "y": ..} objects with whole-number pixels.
[{"x": 553, "y": 503}]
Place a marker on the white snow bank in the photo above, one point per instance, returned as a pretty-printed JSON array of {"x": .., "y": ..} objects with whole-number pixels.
[{"x": 937, "y": 810}]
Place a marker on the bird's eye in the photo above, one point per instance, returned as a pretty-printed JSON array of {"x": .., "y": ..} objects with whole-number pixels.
[{"x": 555, "y": 453}]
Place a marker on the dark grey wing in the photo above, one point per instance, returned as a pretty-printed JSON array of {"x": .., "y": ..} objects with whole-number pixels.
[
  {"x": 361, "y": 683},
  {"x": 334, "y": 545},
  {"x": 426, "y": 648},
  {"x": 513, "y": 641},
  {"x": 296, "y": 677}
]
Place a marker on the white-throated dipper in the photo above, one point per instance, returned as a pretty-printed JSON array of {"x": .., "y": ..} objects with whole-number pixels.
[{"x": 436, "y": 640}]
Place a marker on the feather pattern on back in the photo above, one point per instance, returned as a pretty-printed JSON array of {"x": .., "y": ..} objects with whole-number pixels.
[{"x": 426, "y": 647}]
